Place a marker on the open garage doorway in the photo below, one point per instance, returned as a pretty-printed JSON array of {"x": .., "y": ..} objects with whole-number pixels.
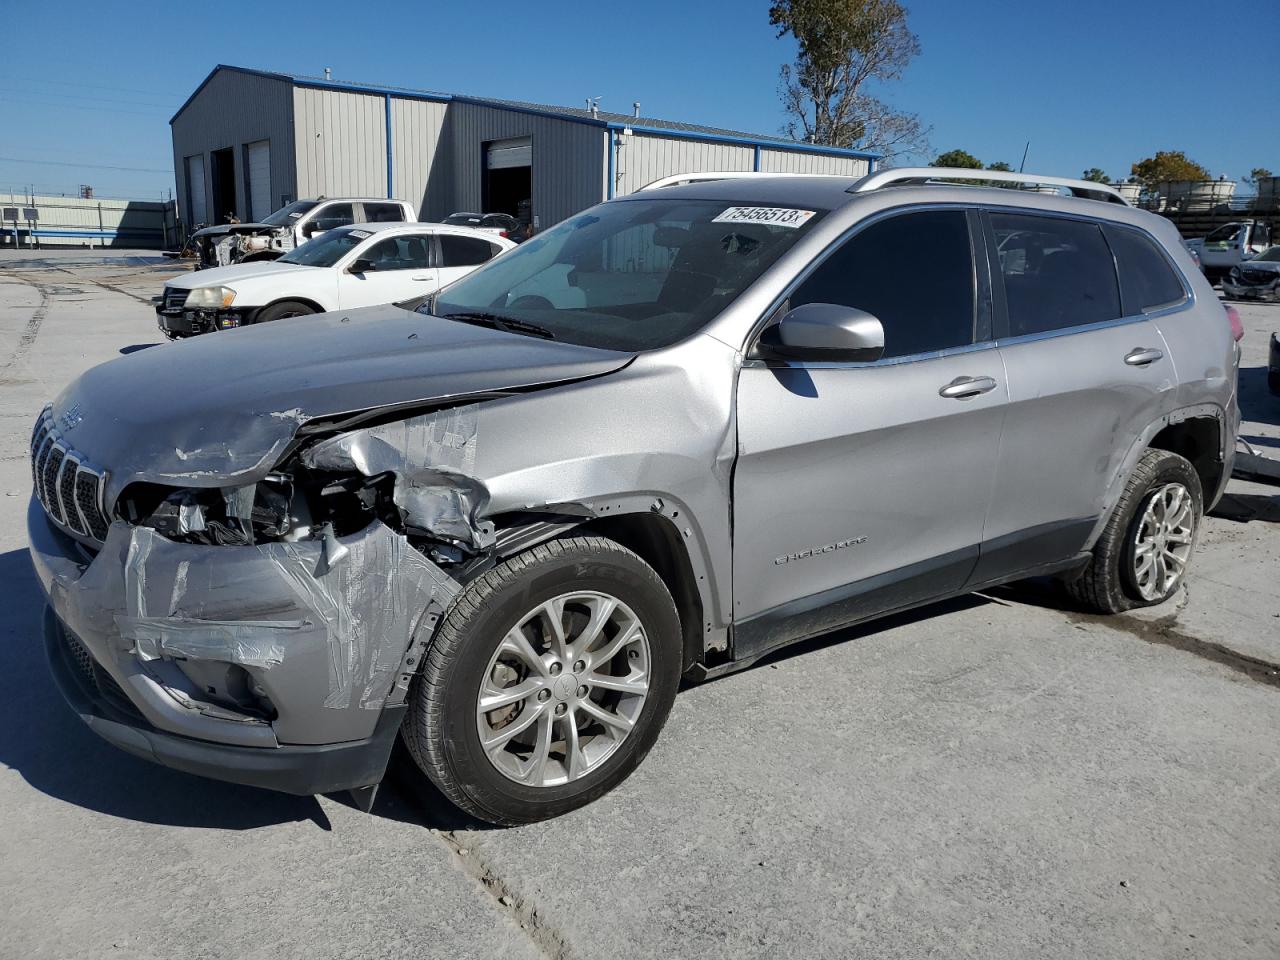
[
  {"x": 508, "y": 177},
  {"x": 224, "y": 184}
]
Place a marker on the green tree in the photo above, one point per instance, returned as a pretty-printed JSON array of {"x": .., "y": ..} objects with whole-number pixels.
[
  {"x": 1001, "y": 166},
  {"x": 1256, "y": 174},
  {"x": 1096, "y": 175},
  {"x": 847, "y": 46},
  {"x": 958, "y": 158},
  {"x": 1168, "y": 165}
]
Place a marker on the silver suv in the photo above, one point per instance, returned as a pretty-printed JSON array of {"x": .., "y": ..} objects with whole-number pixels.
[{"x": 663, "y": 439}]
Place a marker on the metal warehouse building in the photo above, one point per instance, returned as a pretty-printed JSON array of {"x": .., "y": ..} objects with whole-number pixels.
[{"x": 248, "y": 141}]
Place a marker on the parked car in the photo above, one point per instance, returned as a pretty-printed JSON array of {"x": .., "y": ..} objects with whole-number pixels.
[
  {"x": 1230, "y": 245},
  {"x": 346, "y": 267},
  {"x": 665, "y": 438},
  {"x": 1256, "y": 279},
  {"x": 503, "y": 224},
  {"x": 290, "y": 226}
]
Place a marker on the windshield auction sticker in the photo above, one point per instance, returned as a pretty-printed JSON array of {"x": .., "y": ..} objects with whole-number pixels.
[
  {"x": 361, "y": 234},
  {"x": 770, "y": 216}
]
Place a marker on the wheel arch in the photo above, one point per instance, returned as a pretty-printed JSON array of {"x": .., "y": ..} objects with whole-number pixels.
[
  {"x": 306, "y": 301},
  {"x": 1203, "y": 430}
]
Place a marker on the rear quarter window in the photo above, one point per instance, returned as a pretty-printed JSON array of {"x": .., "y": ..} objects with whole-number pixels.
[
  {"x": 1147, "y": 280},
  {"x": 458, "y": 251},
  {"x": 1057, "y": 273}
]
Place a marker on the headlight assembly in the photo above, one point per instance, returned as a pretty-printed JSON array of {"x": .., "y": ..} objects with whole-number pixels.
[{"x": 210, "y": 298}]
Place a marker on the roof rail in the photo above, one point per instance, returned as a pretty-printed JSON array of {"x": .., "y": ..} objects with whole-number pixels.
[
  {"x": 678, "y": 178},
  {"x": 1086, "y": 189}
]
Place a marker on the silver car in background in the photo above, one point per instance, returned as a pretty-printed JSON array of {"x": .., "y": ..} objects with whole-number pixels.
[{"x": 663, "y": 439}]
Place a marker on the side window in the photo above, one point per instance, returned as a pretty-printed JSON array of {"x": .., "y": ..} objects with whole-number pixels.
[
  {"x": 914, "y": 272},
  {"x": 333, "y": 215},
  {"x": 400, "y": 253},
  {"x": 1146, "y": 279},
  {"x": 1261, "y": 238},
  {"x": 383, "y": 212},
  {"x": 456, "y": 251},
  {"x": 1057, "y": 273}
]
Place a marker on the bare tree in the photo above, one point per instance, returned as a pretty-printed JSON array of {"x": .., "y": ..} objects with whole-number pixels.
[{"x": 846, "y": 47}]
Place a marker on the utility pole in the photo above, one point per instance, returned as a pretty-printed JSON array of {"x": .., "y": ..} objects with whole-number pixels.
[{"x": 1023, "y": 165}]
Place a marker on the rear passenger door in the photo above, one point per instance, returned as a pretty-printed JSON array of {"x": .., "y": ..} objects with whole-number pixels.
[
  {"x": 1086, "y": 373},
  {"x": 459, "y": 255}
]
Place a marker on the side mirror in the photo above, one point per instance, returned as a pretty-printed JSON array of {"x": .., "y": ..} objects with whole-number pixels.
[
  {"x": 361, "y": 266},
  {"x": 825, "y": 331}
]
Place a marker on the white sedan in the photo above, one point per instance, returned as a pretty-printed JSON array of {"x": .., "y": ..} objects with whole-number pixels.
[{"x": 356, "y": 266}]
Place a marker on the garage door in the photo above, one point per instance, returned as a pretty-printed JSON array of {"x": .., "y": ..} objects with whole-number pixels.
[
  {"x": 259, "y": 157},
  {"x": 196, "y": 211},
  {"x": 516, "y": 152}
]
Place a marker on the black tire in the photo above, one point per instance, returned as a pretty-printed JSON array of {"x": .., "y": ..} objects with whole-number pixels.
[
  {"x": 1107, "y": 584},
  {"x": 440, "y": 729},
  {"x": 283, "y": 309}
]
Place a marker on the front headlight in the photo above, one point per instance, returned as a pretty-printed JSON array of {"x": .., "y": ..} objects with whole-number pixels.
[{"x": 210, "y": 298}]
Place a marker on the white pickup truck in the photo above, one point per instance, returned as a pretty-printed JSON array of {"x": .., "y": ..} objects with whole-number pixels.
[{"x": 1230, "y": 245}]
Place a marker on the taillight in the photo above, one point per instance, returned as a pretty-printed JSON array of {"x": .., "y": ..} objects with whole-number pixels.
[
  {"x": 1237, "y": 328},
  {"x": 503, "y": 234}
]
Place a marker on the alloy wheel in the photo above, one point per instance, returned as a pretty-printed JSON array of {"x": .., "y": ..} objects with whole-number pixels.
[
  {"x": 564, "y": 689},
  {"x": 1162, "y": 541}
]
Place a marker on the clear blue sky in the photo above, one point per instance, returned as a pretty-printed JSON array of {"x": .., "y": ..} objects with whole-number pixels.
[{"x": 1088, "y": 83}]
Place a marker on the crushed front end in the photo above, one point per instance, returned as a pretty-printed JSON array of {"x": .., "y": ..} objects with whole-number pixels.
[{"x": 264, "y": 633}]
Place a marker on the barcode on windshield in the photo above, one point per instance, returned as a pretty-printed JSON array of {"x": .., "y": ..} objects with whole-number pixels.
[{"x": 771, "y": 216}]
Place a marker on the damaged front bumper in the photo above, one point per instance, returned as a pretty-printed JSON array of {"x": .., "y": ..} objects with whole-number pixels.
[
  {"x": 1267, "y": 293},
  {"x": 190, "y": 323},
  {"x": 284, "y": 665}
]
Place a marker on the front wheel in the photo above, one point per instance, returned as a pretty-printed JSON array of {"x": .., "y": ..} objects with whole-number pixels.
[
  {"x": 548, "y": 681},
  {"x": 281, "y": 311},
  {"x": 1142, "y": 555}
]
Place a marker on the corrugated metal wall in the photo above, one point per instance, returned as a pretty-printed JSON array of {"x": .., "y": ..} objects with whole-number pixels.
[
  {"x": 342, "y": 143},
  {"x": 232, "y": 110},
  {"x": 791, "y": 161},
  {"x": 568, "y": 158},
  {"x": 70, "y": 221},
  {"x": 643, "y": 158},
  {"x": 416, "y": 142}
]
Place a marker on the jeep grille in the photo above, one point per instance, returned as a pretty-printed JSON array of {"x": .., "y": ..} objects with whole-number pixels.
[{"x": 69, "y": 489}]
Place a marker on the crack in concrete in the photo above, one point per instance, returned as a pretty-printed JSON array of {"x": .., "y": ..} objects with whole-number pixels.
[
  {"x": 32, "y": 329},
  {"x": 549, "y": 941},
  {"x": 106, "y": 286}
]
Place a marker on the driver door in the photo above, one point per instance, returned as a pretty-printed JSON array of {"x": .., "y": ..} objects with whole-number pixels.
[
  {"x": 861, "y": 488},
  {"x": 401, "y": 268}
]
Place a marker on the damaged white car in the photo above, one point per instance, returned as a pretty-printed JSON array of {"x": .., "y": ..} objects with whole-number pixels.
[
  {"x": 1255, "y": 279},
  {"x": 347, "y": 267},
  {"x": 663, "y": 439},
  {"x": 289, "y": 227}
]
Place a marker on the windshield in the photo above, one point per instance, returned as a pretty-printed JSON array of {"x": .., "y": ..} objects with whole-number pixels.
[
  {"x": 1224, "y": 234},
  {"x": 288, "y": 214},
  {"x": 462, "y": 219},
  {"x": 1271, "y": 255},
  {"x": 326, "y": 249},
  {"x": 631, "y": 274}
]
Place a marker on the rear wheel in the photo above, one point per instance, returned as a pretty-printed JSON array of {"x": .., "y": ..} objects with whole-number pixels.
[
  {"x": 282, "y": 310},
  {"x": 548, "y": 681},
  {"x": 1142, "y": 555}
]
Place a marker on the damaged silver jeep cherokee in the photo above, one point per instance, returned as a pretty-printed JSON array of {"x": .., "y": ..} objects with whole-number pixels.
[{"x": 667, "y": 437}]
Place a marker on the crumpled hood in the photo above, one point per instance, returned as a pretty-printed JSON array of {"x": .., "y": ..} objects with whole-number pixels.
[
  {"x": 224, "y": 229},
  {"x": 219, "y": 410}
]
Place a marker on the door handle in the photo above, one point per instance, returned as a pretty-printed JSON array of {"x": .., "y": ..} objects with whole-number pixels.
[
  {"x": 1142, "y": 356},
  {"x": 966, "y": 388},
  {"x": 420, "y": 278}
]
